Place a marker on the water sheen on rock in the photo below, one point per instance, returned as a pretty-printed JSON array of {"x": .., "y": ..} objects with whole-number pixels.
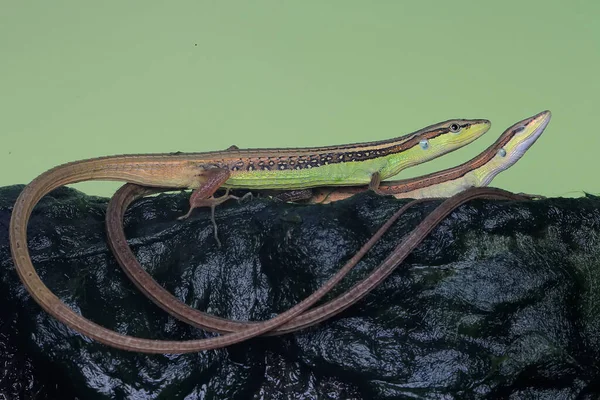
[{"x": 502, "y": 300}]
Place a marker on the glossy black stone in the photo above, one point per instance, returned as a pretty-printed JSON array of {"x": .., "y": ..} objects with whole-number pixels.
[{"x": 501, "y": 301}]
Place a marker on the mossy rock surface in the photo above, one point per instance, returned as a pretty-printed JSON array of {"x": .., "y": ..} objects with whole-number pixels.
[{"x": 502, "y": 300}]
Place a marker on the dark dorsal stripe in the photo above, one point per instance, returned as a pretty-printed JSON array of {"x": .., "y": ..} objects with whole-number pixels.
[
  {"x": 460, "y": 171},
  {"x": 346, "y": 153}
]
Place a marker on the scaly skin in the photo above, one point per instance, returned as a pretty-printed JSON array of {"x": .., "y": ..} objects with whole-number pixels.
[
  {"x": 296, "y": 168},
  {"x": 479, "y": 171}
]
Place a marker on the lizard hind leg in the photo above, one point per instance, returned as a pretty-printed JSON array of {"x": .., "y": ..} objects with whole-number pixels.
[
  {"x": 211, "y": 202},
  {"x": 375, "y": 182},
  {"x": 203, "y": 196}
]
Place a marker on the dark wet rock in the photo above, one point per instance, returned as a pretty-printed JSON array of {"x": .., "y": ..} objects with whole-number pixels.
[{"x": 501, "y": 301}]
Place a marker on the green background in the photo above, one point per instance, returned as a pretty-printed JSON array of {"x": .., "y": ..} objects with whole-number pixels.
[{"x": 86, "y": 79}]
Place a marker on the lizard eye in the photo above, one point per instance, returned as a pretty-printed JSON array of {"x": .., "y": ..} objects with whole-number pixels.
[{"x": 454, "y": 128}]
